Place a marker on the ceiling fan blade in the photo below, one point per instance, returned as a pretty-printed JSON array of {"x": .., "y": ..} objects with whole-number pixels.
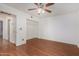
[
  {"x": 40, "y": 3},
  {"x": 32, "y": 9},
  {"x": 36, "y": 4},
  {"x": 49, "y": 11},
  {"x": 49, "y": 4}
]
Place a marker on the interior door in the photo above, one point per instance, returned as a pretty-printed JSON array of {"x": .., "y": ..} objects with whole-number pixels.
[
  {"x": 12, "y": 30},
  {"x": 9, "y": 30},
  {"x": 32, "y": 29}
]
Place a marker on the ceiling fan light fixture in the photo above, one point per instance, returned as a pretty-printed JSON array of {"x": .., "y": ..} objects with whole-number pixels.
[
  {"x": 43, "y": 11},
  {"x": 40, "y": 10}
]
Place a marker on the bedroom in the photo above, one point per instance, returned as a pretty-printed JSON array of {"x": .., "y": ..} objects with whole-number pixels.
[{"x": 38, "y": 30}]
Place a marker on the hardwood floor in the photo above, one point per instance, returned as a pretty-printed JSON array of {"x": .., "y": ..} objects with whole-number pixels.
[
  {"x": 51, "y": 48},
  {"x": 38, "y": 47},
  {"x": 9, "y": 49}
]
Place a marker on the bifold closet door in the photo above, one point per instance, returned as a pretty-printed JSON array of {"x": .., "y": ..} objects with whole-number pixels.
[{"x": 32, "y": 29}]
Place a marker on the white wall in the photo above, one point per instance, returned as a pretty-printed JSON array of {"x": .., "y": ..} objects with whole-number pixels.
[{"x": 63, "y": 28}]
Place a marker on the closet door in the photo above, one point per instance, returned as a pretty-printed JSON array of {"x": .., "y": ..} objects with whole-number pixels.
[{"x": 32, "y": 29}]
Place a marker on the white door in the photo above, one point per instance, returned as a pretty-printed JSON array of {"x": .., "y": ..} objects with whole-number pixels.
[
  {"x": 12, "y": 30},
  {"x": 32, "y": 29}
]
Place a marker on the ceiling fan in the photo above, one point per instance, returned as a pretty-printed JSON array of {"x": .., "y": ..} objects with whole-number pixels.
[{"x": 42, "y": 8}]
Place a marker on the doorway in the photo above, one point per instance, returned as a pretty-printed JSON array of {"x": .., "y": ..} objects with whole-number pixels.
[
  {"x": 1, "y": 33},
  {"x": 1, "y": 30},
  {"x": 7, "y": 30}
]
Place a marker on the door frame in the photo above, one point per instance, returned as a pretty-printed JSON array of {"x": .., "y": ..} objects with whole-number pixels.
[
  {"x": 14, "y": 29},
  {"x": 5, "y": 14}
]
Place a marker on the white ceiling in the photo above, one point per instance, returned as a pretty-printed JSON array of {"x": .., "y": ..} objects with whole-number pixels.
[{"x": 57, "y": 8}]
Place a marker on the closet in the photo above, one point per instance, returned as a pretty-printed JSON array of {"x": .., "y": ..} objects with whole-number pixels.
[{"x": 32, "y": 29}]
